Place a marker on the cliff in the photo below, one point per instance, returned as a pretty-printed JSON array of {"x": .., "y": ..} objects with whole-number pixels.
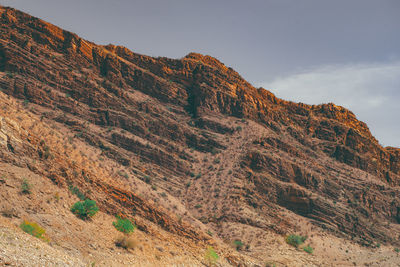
[{"x": 234, "y": 156}]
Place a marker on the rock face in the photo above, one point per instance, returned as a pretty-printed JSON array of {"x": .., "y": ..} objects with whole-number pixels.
[{"x": 204, "y": 134}]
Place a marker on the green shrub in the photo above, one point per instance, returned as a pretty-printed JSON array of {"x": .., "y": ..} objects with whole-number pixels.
[
  {"x": 33, "y": 229},
  {"x": 211, "y": 256},
  {"x": 26, "y": 187},
  {"x": 124, "y": 225},
  {"x": 75, "y": 190},
  {"x": 123, "y": 174},
  {"x": 238, "y": 244},
  {"x": 47, "y": 154},
  {"x": 308, "y": 249},
  {"x": 295, "y": 240},
  {"x": 9, "y": 74},
  {"x": 397, "y": 250},
  {"x": 85, "y": 209},
  {"x": 147, "y": 179}
]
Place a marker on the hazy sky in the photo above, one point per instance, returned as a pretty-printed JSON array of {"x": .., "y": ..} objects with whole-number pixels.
[{"x": 313, "y": 51}]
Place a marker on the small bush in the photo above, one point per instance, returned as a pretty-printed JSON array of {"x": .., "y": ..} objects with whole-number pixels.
[
  {"x": 295, "y": 240},
  {"x": 238, "y": 244},
  {"x": 33, "y": 229},
  {"x": 57, "y": 196},
  {"x": 397, "y": 250},
  {"x": 123, "y": 174},
  {"x": 75, "y": 190},
  {"x": 47, "y": 154},
  {"x": 308, "y": 249},
  {"x": 147, "y": 179},
  {"x": 26, "y": 187},
  {"x": 9, "y": 74},
  {"x": 126, "y": 242},
  {"x": 85, "y": 209},
  {"x": 124, "y": 225},
  {"x": 211, "y": 256}
]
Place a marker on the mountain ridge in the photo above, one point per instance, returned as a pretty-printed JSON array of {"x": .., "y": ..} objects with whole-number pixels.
[
  {"x": 85, "y": 47},
  {"x": 239, "y": 161}
]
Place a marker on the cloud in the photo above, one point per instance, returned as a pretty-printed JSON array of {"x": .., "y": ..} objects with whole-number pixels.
[{"x": 371, "y": 91}]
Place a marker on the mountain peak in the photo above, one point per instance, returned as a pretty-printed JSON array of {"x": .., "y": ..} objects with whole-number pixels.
[{"x": 206, "y": 59}]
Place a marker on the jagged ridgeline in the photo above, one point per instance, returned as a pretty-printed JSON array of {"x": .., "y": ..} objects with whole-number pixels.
[{"x": 188, "y": 149}]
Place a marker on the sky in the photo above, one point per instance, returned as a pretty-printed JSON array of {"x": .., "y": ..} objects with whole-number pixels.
[{"x": 311, "y": 51}]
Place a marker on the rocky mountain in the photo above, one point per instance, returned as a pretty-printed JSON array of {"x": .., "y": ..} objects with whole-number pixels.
[{"x": 190, "y": 151}]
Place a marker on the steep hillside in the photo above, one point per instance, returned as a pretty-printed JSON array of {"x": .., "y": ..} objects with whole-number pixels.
[{"x": 192, "y": 152}]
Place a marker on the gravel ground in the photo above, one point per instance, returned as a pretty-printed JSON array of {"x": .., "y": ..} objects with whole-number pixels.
[{"x": 20, "y": 249}]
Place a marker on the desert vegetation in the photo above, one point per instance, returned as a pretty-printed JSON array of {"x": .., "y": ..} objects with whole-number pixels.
[
  {"x": 238, "y": 244},
  {"x": 211, "y": 256},
  {"x": 295, "y": 240},
  {"x": 124, "y": 225},
  {"x": 33, "y": 229},
  {"x": 75, "y": 190},
  {"x": 26, "y": 187},
  {"x": 85, "y": 209},
  {"x": 308, "y": 249}
]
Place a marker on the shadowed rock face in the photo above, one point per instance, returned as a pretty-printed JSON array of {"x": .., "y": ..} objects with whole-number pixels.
[{"x": 318, "y": 161}]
